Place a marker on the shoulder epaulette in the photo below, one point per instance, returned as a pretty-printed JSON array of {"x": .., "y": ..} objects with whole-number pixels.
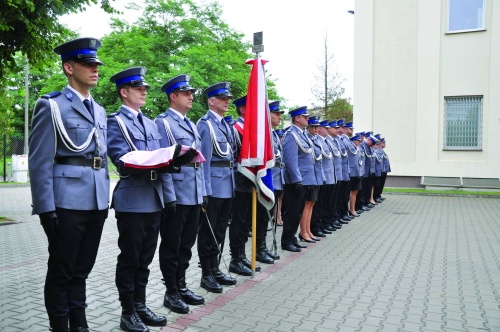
[
  {"x": 97, "y": 103},
  {"x": 162, "y": 115},
  {"x": 205, "y": 117},
  {"x": 51, "y": 95},
  {"x": 112, "y": 115}
]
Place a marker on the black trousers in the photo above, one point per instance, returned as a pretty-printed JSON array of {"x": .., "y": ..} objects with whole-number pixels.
[
  {"x": 240, "y": 220},
  {"x": 71, "y": 258},
  {"x": 137, "y": 240},
  {"x": 332, "y": 211},
  {"x": 367, "y": 188},
  {"x": 343, "y": 197},
  {"x": 178, "y": 235},
  {"x": 377, "y": 191},
  {"x": 218, "y": 213},
  {"x": 321, "y": 207},
  {"x": 293, "y": 206}
]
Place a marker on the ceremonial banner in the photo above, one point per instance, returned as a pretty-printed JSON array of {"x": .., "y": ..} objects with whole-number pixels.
[{"x": 256, "y": 156}]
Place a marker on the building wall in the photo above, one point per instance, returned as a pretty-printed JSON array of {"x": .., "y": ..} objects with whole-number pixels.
[{"x": 405, "y": 64}]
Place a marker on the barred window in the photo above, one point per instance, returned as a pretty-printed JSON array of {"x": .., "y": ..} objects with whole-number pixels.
[
  {"x": 466, "y": 15},
  {"x": 463, "y": 123}
]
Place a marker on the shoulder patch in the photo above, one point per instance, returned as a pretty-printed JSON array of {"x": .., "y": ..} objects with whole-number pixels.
[{"x": 51, "y": 95}]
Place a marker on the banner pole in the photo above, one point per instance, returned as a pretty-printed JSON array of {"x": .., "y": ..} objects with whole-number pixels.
[{"x": 254, "y": 229}]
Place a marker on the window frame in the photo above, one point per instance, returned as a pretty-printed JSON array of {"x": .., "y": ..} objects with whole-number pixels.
[
  {"x": 480, "y": 115},
  {"x": 482, "y": 28}
]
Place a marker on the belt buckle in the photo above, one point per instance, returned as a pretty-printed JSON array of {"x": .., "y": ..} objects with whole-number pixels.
[
  {"x": 153, "y": 176},
  {"x": 97, "y": 163},
  {"x": 231, "y": 163},
  {"x": 196, "y": 165},
  {"x": 282, "y": 165}
]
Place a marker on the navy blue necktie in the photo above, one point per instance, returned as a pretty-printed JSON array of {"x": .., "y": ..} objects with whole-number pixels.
[
  {"x": 141, "y": 120},
  {"x": 86, "y": 102},
  {"x": 188, "y": 124}
]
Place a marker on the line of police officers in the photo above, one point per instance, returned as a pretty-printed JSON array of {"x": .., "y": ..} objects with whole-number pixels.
[{"x": 183, "y": 201}]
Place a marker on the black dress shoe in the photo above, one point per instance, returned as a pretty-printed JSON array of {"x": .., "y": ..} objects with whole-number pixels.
[
  {"x": 150, "y": 318},
  {"x": 306, "y": 240},
  {"x": 261, "y": 256},
  {"x": 337, "y": 224},
  {"x": 365, "y": 208},
  {"x": 272, "y": 255},
  {"x": 133, "y": 323},
  {"x": 222, "y": 278},
  {"x": 209, "y": 283},
  {"x": 190, "y": 298},
  {"x": 324, "y": 230},
  {"x": 343, "y": 222},
  {"x": 291, "y": 247},
  {"x": 359, "y": 211},
  {"x": 330, "y": 228},
  {"x": 378, "y": 200},
  {"x": 79, "y": 329},
  {"x": 353, "y": 215},
  {"x": 370, "y": 205},
  {"x": 298, "y": 245},
  {"x": 345, "y": 218},
  {"x": 237, "y": 266}
]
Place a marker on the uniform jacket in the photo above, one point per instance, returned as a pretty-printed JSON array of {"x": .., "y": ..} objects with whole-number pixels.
[
  {"x": 345, "y": 161},
  {"x": 378, "y": 161},
  {"x": 277, "y": 170},
  {"x": 368, "y": 154},
  {"x": 355, "y": 161},
  {"x": 337, "y": 158},
  {"x": 318, "y": 159},
  {"x": 67, "y": 186},
  {"x": 189, "y": 183},
  {"x": 219, "y": 181},
  {"x": 298, "y": 157},
  {"x": 134, "y": 193},
  {"x": 386, "y": 165},
  {"x": 327, "y": 161}
]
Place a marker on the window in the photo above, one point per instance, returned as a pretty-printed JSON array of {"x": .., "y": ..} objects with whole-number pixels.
[
  {"x": 465, "y": 15},
  {"x": 463, "y": 123}
]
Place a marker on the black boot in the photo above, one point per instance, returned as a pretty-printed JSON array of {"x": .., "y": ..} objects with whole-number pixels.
[
  {"x": 261, "y": 254},
  {"x": 58, "y": 324},
  {"x": 173, "y": 299},
  {"x": 246, "y": 262},
  {"x": 78, "y": 320},
  {"x": 272, "y": 254},
  {"x": 147, "y": 316},
  {"x": 130, "y": 320},
  {"x": 208, "y": 281},
  {"x": 186, "y": 294},
  {"x": 221, "y": 278},
  {"x": 237, "y": 266}
]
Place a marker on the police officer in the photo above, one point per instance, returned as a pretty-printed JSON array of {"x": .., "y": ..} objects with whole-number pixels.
[
  {"x": 137, "y": 198},
  {"x": 217, "y": 147},
  {"x": 278, "y": 180},
  {"x": 299, "y": 171},
  {"x": 69, "y": 182},
  {"x": 344, "y": 187},
  {"x": 320, "y": 222},
  {"x": 355, "y": 172},
  {"x": 178, "y": 231},
  {"x": 386, "y": 168}
]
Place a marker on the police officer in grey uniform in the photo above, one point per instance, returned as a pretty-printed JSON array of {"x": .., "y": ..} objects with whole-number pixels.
[
  {"x": 299, "y": 172},
  {"x": 386, "y": 168},
  {"x": 319, "y": 222},
  {"x": 217, "y": 142},
  {"x": 344, "y": 187},
  {"x": 355, "y": 172},
  {"x": 178, "y": 231},
  {"x": 138, "y": 198},
  {"x": 70, "y": 182},
  {"x": 333, "y": 214}
]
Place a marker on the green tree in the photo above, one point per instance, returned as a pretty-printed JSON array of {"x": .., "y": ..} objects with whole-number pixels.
[
  {"x": 32, "y": 28},
  {"x": 341, "y": 108}
]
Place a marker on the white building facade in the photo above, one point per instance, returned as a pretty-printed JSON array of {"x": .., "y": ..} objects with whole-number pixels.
[{"x": 427, "y": 77}]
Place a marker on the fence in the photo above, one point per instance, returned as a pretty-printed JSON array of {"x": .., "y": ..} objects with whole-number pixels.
[{"x": 9, "y": 145}]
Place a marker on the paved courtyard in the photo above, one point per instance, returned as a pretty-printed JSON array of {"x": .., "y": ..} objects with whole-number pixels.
[{"x": 413, "y": 263}]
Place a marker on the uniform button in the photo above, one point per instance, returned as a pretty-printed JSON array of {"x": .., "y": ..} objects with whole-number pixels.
[
  {"x": 64, "y": 173},
  {"x": 149, "y": 138}
]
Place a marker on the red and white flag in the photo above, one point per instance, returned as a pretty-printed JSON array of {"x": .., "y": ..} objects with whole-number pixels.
[{"x": 256, "y": 156}]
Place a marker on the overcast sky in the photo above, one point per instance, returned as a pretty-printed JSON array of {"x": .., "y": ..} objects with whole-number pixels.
[{"x": 293, "y": 37}]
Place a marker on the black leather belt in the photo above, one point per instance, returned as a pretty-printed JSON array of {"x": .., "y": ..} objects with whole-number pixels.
[
  {"x": 95, "y": 163},
  {"x": 227, "y": 163},
  {"x": 279, "y": 165},
  {"x": 151, "y": 175},
  {"x": 195, "y": 165}
]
